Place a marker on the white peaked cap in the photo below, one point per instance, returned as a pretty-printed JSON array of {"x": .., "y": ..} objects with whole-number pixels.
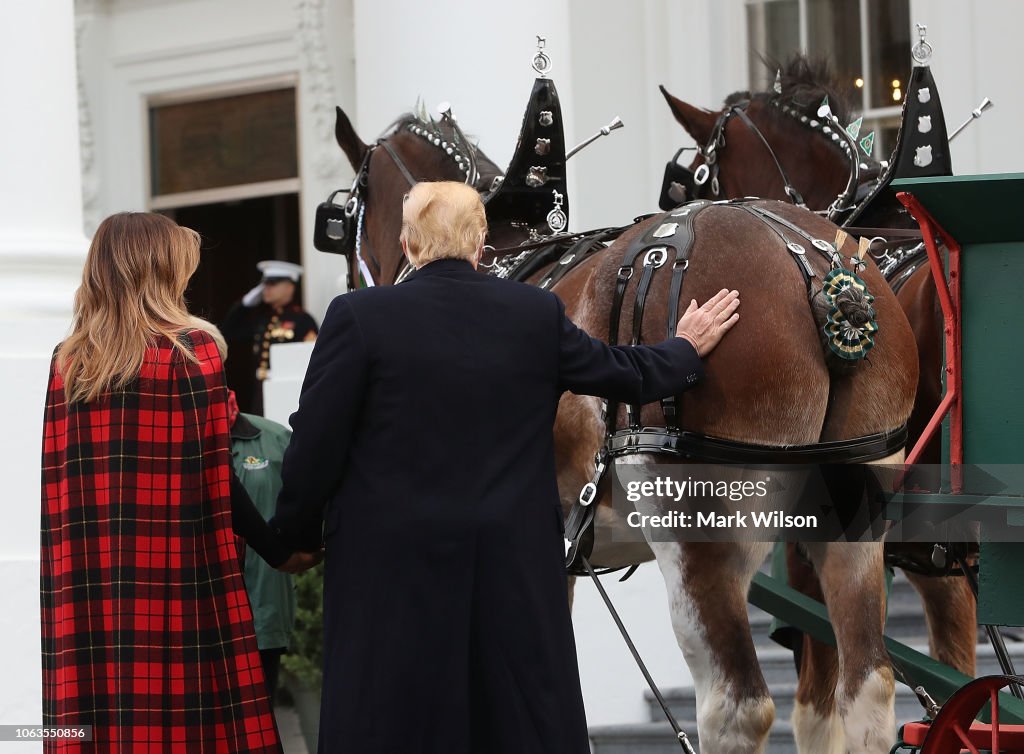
[{"x": 273, "y": 268}]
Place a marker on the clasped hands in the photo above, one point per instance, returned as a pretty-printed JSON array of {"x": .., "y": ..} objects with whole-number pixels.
[{"x": 301, "y": 561}]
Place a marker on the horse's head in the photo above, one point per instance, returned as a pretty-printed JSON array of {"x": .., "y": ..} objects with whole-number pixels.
[
  {"x": 413, "y": 148},
  {"x": 759, "y": 140}
]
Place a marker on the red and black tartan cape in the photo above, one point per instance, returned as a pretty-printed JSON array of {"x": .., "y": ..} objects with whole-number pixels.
[{"x": 147, "y": 632}]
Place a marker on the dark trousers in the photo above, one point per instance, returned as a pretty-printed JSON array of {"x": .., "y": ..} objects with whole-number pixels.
[{"x": 271, "y": 659}]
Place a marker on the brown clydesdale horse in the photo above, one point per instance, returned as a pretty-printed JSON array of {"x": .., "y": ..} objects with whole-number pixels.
[
  {"x": 767, "y": 384},
  {"x": 819, "y": 169}
]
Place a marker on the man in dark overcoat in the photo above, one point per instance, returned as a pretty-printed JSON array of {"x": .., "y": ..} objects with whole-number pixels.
[{"x": 422, "y": 457}]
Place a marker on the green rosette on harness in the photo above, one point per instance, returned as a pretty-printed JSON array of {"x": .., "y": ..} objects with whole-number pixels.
[{"x": 850, "y": 326}]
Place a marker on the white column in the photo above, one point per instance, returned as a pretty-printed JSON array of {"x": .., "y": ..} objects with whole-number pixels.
[{"x": 41, "y": 254}]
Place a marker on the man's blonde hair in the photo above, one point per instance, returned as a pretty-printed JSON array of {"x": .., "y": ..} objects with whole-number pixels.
[{"x": 442, "y": 220}]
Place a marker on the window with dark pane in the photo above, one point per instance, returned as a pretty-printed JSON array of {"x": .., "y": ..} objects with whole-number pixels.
[
  {"x": 833, "y": 34},
  {"x": 229, "y": 141},
  {"x": 773, "y": 33},
  {"x": 885, "y": 138},
  {"x": 889, "y": 45}
]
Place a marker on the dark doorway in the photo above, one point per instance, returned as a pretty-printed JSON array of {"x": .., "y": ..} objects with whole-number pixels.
[{"x": 236, "y": 235}]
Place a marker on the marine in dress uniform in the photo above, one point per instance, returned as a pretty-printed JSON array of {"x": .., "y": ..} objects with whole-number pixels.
[{"x": 266, "y": 315}]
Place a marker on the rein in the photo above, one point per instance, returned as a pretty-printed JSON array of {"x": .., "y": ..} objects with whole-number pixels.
[{"x": 789, "y": 188}]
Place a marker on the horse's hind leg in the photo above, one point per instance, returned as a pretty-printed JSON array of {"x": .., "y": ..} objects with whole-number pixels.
[
  {"x": 853, "y": 583},
  {"x": 817, "y": 727},
  {"x": 952, "y": 615},
  {"x": 707, "y": 589}
]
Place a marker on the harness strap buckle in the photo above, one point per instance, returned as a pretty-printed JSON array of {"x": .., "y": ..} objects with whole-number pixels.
[
  {"x": 656, "y": 257},
  {"x": 352, "y": 205},
  {"x": 625, "y": 273},
  {"x": 701, "y": 174},
  {"x": 794, "y": 195},
  {"x": 668, "y": 406}
]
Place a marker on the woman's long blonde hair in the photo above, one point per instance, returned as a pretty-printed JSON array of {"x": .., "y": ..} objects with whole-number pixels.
[{"x": 133, "y": 291}]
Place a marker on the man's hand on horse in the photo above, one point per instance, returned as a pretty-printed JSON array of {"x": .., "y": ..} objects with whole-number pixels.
[
  {"x": 705, "y": 325},
  {"x": 301, "y": 561}
]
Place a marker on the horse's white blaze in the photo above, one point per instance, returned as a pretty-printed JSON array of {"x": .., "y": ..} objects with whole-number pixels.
[
  {"x": 868, "y": 717},
  {"x": 727, "y": 725},
  {"x": 816, "y": 733}
]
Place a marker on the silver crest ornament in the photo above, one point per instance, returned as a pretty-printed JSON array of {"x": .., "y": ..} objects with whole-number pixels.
[
  {"x": 556, "y": 217},
  {"x": 537, "y": 176},
  {"x": 923, "y": 156},
  {"x": 545, "y": 118},
  {"x": 542, "y": 147},
  {"x": 922, "y": 51},
  {"x": 924, "y": 94},
  {"x": 541, "y": 62},
  {"x": 924, "y": 124}
]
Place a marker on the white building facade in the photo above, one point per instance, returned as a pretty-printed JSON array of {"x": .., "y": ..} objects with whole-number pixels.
[{"x": 82, "y": 79}]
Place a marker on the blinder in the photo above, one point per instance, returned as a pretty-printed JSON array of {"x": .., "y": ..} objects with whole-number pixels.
[
  {"x": 679, "y": 184},
  {"x": 334, "y": 230}
]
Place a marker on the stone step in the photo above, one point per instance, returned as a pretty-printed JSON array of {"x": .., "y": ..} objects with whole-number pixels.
[
  {"x": 658, "y": 738},
  {"x": 987, "y": 662},
  {"x": 905, "y": 621},
  {"x": 779, "y": 671},
  {"x": 655, "y": 737}
]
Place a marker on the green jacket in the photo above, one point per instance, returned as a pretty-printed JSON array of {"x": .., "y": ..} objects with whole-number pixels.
[{"x": 257, "y": 450}]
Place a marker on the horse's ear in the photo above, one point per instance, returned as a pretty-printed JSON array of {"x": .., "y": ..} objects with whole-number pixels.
[
  {"x": 349, "y": 140},
  {"x": 698, "y": 123}
]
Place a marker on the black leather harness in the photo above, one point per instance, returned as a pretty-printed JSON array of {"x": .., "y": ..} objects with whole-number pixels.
[{"x": 672, "y": 237}]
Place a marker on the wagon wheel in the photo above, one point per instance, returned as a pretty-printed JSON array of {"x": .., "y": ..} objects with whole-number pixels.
[{"x": 956, "y": 729}]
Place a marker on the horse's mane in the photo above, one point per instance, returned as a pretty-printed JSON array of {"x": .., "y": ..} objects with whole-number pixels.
[
  {"x": 805, "y": 83},
  {"x": 419, "y": 117}
]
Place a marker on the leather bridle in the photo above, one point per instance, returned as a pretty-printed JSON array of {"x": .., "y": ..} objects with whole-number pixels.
[
  {"x": 706, "y": 173},
  {"x": 355, "y": 207}
]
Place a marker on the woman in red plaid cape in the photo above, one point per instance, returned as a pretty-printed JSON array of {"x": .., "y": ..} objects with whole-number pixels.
[{"x": 147, "y": 634}]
